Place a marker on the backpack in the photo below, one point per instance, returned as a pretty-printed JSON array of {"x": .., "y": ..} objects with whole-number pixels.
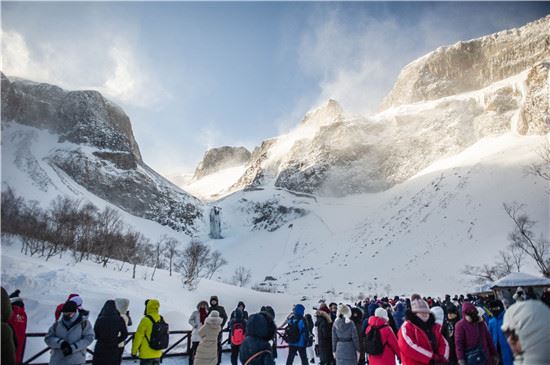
[
  {"x": 159, "y": 334},
  {"x": 373, "y": 341},
  {"x": 292, "y": 332},
  {"x": 237, "y": 333}
]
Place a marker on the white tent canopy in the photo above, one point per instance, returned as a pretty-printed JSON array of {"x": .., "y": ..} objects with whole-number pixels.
[{"x": 516, "y": 279}]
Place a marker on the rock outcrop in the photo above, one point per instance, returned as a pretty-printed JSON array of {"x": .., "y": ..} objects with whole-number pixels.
[
  {"x": 216, "y": 159},
  {"x": 471, "y": 65}
]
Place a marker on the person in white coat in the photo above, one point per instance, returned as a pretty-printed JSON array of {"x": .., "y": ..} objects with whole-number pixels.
[
  {"x": 526, "y": 326},
  {"x": 196, "y": 321}
]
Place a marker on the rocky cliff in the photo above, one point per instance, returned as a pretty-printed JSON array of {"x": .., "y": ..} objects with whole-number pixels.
[
  {"x": 216, "y": 159},
  {"x": 93, "y": 146}
]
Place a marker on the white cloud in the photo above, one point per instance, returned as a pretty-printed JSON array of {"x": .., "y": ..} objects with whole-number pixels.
[{"x": 112, "y": 67}]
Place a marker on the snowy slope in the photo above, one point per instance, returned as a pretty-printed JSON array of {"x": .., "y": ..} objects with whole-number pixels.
[
  {"x": 215, "y": 185},
  {"x": 416, "y": 236}
]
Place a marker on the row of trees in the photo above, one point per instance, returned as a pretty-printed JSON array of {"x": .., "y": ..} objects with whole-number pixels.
[
  {"x": 70, "y": 226},
  {"x": 524, "y": 241}
]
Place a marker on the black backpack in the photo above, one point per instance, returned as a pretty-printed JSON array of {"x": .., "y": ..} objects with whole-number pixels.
[
  {"x": 159, "y": 334},
  {"x": 292, "y": 331},
  {"x": 373, "y": 341}
]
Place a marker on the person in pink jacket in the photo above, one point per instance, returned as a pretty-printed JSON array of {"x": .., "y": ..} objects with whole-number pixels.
[{"x": 389, "y": 341}]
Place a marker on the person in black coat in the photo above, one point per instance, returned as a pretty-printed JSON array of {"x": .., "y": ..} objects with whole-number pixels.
[
  {"x": 215, "y": 306},
  {"x": 256, "y": 349},
  {"x": 110, "y": 330},
  {"x": 271, "y": 313},
  {"x": 324, "y": 335}
]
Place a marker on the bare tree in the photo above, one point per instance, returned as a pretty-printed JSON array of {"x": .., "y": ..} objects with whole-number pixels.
[
  {"x": 215, "y": 262},
  {"x": 524, "y": 239},
  {"x": 157, "y": 252},
  {"x": 542, "y": 168},
  {"x": 241, "y": 276},
  {"x": 193, "y": 262},
  {"x": 170, "y": 245},
  {"x": 482, "y": 274}
]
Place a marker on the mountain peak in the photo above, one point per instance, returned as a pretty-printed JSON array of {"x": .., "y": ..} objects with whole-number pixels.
[{"x": 328, "y": 113}]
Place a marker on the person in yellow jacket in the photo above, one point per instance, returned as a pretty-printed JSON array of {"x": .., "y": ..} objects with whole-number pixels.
[{"x": 147, "y": 355}]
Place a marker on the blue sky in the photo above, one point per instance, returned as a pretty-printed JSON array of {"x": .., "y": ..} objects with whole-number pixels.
[{"x": 197, "y": 75}]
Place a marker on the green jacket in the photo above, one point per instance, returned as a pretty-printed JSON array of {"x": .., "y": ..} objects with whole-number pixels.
[{"x": 143, "y": 333}]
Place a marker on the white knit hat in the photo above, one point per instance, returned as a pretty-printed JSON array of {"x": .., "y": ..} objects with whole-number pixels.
[
  {"x": 381, "y": 313},
  {"x": 344, "y": 311},
  {"x": 214, "y": 314}
]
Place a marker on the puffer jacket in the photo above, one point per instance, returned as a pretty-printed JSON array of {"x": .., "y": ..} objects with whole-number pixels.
[
  {"x": 469, "y": 335},
  {"x": 391, "y": 349},
  {"x": 345, "y": 342},
  {"x": 207, "y": 352},
  {"x": 110, "y": 330},
  {"x": 79, "y": 333},
  {"x": 143, "y": 332},
  {"x": 529, "y": 320},
  {"x": 260, "y": 329},
  {"x": 415, "y": 345}
]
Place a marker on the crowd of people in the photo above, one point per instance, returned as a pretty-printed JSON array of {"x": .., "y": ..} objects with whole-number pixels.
[{"x": 376, "y": 331}]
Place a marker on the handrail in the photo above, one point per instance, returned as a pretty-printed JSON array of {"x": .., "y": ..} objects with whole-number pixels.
[{"x": 169, "y": 352}]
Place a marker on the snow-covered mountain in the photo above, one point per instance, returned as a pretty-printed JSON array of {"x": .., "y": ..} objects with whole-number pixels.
[
  {"x": 80, "y": 144},
  {"x": 441, "y": 104}
]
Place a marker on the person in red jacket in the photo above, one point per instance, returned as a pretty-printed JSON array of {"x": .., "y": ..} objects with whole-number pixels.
[
  {"x": 18, "y": 321},
  {"x": 472, "y": 332},
  {"x": 420, "y": 339},
  {"x": 391, "y": 349}
]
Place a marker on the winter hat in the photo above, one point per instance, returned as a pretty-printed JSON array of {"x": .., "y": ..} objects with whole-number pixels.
[
  {"x": 451, "y": 308},
  {"x": 419, "y": 306},
  {"x": 344, "y": 311},
  {"x": 529, "y": 321},
  {"x": 214, "y": 314},
  {"x": 69, "y": 307},
  {"x": 299, "y": 310},
  {"x": 77, "y": 300},
  {"x": 381, "y": 313},
  {"x": 15, "y": 299},
  {"x": 438, "y": 314},
  {"x": 415, "y": 297}
]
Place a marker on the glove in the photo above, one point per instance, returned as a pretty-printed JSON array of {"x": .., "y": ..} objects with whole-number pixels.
[
  {"x": 66, "y": 348},
  {"x": 134, "y": 356},
  {"x": 461, "y": 362}
]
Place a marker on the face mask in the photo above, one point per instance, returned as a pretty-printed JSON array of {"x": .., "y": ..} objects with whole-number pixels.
[
  {"x": 423, "y": 316},
  {"x": 67, "y": 316}
]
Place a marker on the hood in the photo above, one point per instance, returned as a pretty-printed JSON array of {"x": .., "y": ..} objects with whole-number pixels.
[
  {"x": 214, "y": 297},
  {"x": 529, "y": 320},
  {"x": 468, "y": 307},
  {"x": 325, "y": 315},
  {"x": 122, "y": 305},
  {"x": 377, "y": 321},
  {"x": 238, "y": 315},
  {"x": 109, "y": 309},
  {"x": 153, "y": 306},
  {"x": 260, "y": 325},
  {"x": 213, "y": 321},
  {"x": 356, "y": 315},
  {"x": 6, "y": 306},
  {"x": 299, "y": 310},
  {"x": 241, "y": 304},
  {"x": 202, "y": 302}
]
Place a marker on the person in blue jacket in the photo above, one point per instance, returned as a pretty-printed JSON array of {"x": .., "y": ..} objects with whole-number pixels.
[
  {"x": 499, "y": 340},
  {"x": 299, "y": 346},
  {"x": 399, "y": 314}
]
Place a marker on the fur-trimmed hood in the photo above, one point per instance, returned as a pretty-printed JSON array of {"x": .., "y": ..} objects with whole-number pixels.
[
  {"x": 323, "y": 314},
  {"x": 412, "y": 317}
]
